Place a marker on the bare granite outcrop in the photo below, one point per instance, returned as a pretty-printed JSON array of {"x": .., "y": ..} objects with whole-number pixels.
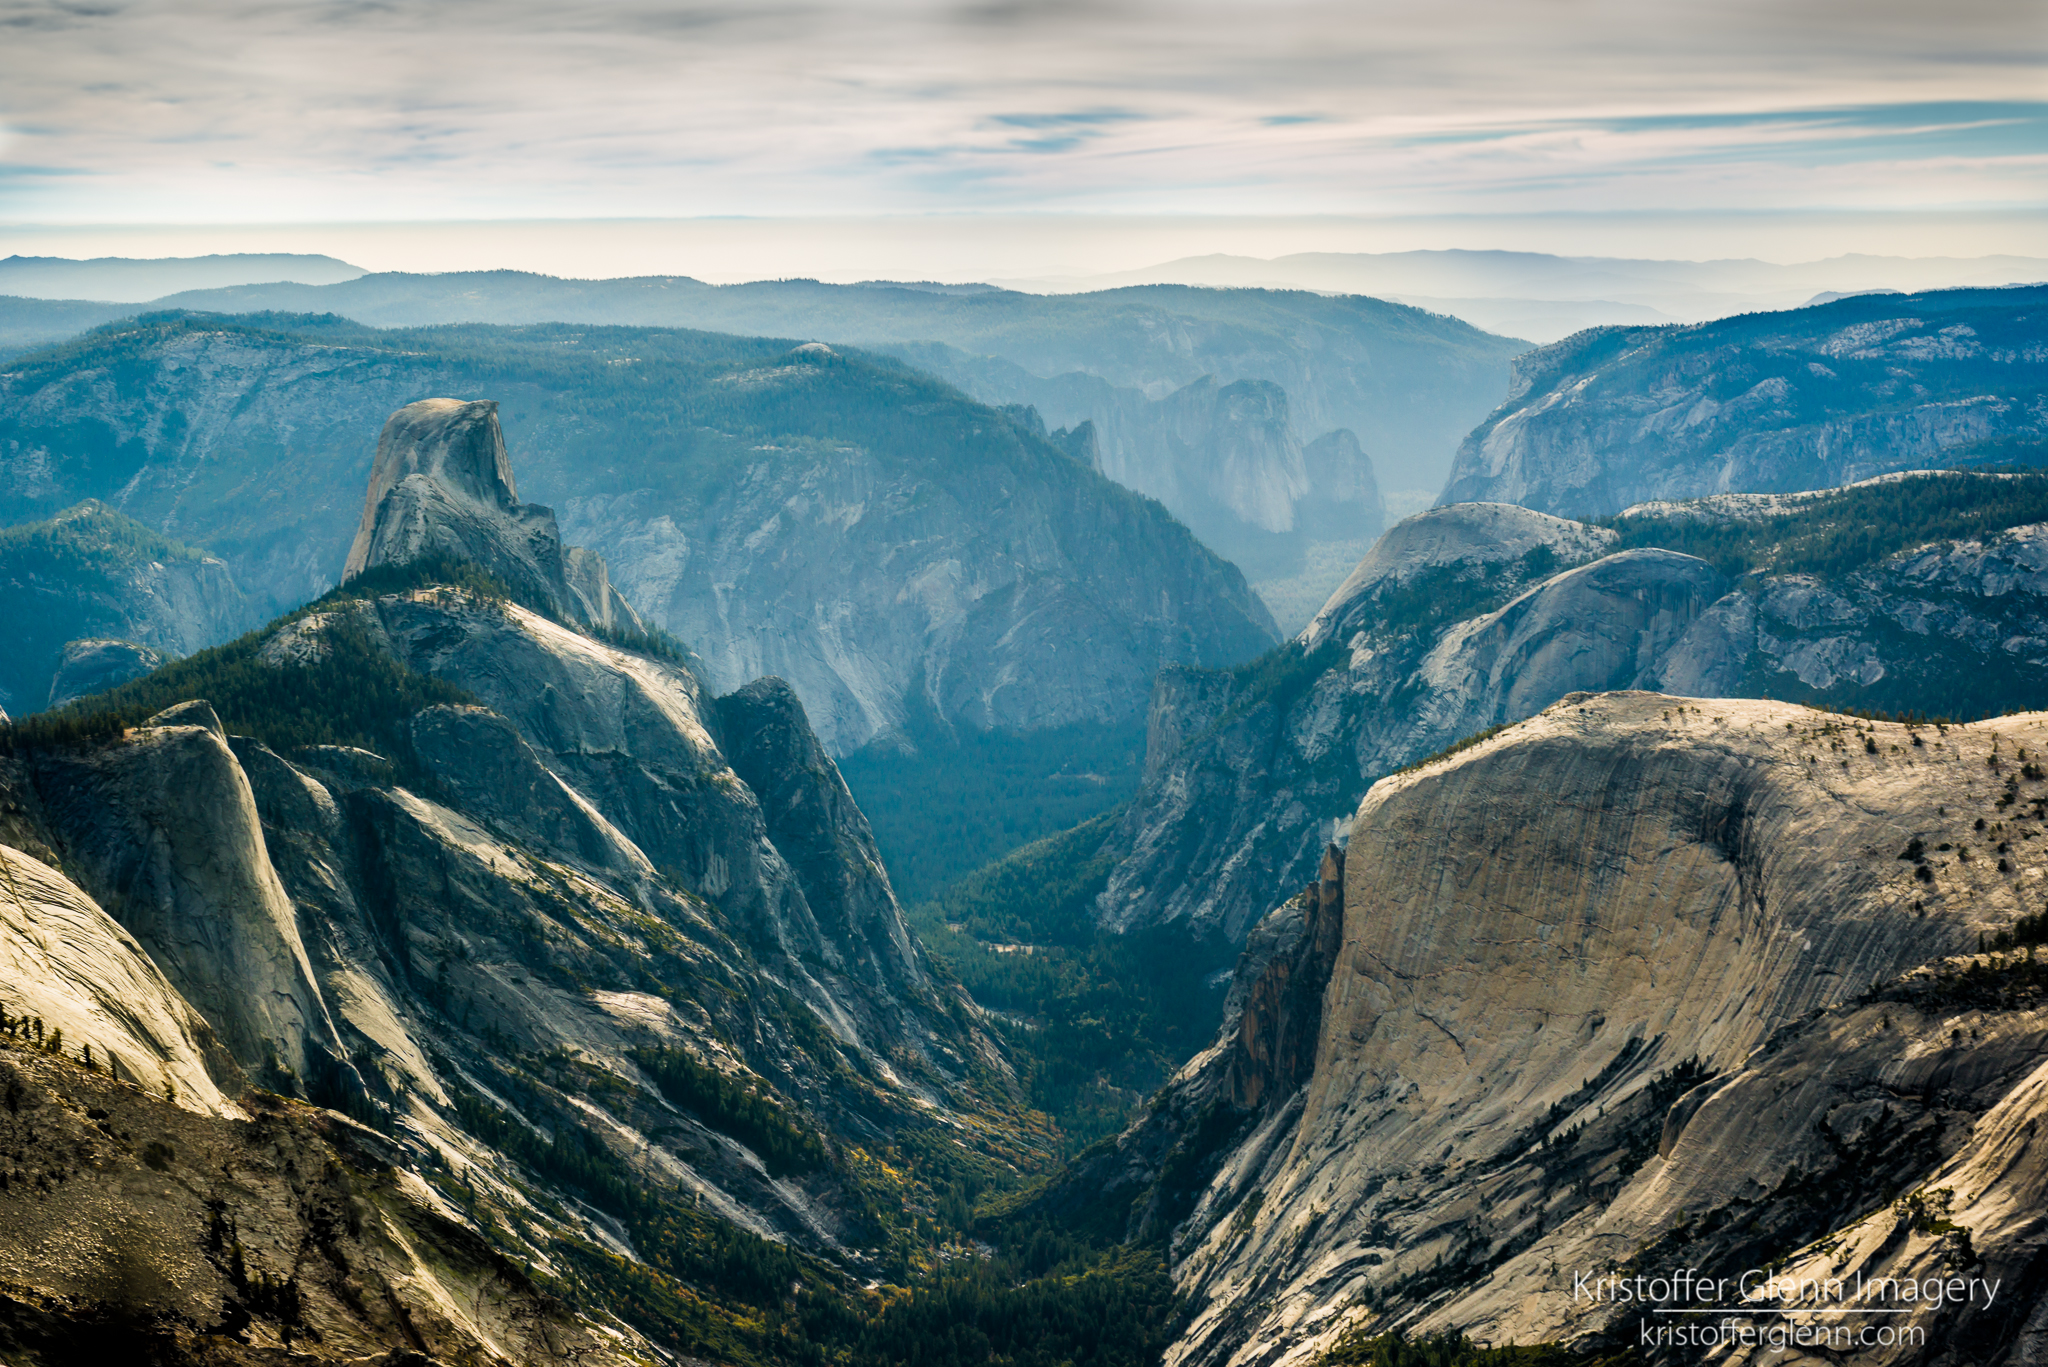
[
  {"x": 1642, "y": 985},
  {"x": 442, "y": 486}
]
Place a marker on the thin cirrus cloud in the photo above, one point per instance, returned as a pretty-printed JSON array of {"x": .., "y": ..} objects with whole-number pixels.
[{"x": 212, "y": 110}]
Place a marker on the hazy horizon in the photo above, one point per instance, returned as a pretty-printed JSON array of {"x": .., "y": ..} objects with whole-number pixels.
[{"x": 1031, "y": 251}]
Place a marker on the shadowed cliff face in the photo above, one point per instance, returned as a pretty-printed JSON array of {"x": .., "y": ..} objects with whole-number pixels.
[
  {"x": 165, "y": 832},
  {"x": 1597, "y": 1002},
  {"x": 455, "y": 444},
  {"x": 1768, "y": 402},
  {"x": 812, "y": 820},
  {"x": 1280, "y": 1015}
]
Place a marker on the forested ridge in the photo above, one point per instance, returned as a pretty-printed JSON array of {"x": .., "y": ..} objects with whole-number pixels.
[
  {"x": 698, "y": 403},
  {"x": 1836, "y": 533},
  {"x": 934, "y": 1277}
]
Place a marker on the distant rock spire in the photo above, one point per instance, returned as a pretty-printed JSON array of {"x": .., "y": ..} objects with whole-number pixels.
[
  {"x": 458, "y": 444},
  {"x": 442, "y": 485}
]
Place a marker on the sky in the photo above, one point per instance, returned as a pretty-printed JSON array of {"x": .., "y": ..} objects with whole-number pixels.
[{"x": 250, "y": 115}]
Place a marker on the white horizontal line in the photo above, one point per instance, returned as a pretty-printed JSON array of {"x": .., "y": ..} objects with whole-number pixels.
[{"x": 1808, "y": 1310}]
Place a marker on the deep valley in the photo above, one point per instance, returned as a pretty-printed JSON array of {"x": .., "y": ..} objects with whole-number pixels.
[{"x": 526, "y": 840}]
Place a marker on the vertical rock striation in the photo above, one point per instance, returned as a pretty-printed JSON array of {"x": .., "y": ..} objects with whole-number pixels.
[
  {"x": 165, "y": 832},
  {"x": 1622, "y": 967}
]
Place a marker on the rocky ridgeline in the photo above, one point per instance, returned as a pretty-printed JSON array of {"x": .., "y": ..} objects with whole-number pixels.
[
  {"x": 528, "y": 951},
  {"x": 1640, "y": 984},
  {"x": 1476, "y": 615},
  {"x": 1764, "y": 402}
]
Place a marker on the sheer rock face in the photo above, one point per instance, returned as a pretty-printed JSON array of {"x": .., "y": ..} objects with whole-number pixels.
[
  {"x": 633, "y": 738},
  {"x": 1014, "y": 595},
  {"x": 1232, "y": 451},
  {"x": 1184, "y": 703},
  {"x": 1343, "y": 500},
  {"x": 457, "y": 445},
  {"x": 152, "y": 1193},
  {"x": 495, "y": 773},
  {"x": 1280, "y": 1016},
  {"x": 610, "y": 753},
  {"x": 1770, "y": 402},
  {"x": 165, "y": 832},
  {"x": 1607, "y": 625},
  {"x": 813, "y": 821},
  {"x": 73, "y": 967},
  {"x": 1599, "y": 976},
  {"x": 1242, "y": 796},
  {"x": 442, "y": 486},
  {"x": 1976, "y": 603}
]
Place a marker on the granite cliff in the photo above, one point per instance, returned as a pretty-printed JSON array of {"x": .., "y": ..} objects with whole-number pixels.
[
  {"x": 442, "y": 486},
  {"x": 1764, "y": 402},
  {"x": 1226, "y": 459},
  {"x": 1639, "y": 985}
]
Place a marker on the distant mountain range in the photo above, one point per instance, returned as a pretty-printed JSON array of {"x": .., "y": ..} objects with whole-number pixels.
[
  {"x": 121, "y": 279},
  {"x": 1261, "y": 378},
  {"x": 1545, "y": 297}
]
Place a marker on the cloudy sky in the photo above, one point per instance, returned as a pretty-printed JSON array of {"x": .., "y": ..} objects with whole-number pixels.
[{"x": 254, "y": 111}]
